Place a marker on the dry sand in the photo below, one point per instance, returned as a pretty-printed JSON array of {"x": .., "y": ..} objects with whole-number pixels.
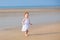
[{"x": 37, "y": 32}]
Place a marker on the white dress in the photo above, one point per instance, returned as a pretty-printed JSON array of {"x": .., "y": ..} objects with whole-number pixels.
[{"x": 26, "y": 25}]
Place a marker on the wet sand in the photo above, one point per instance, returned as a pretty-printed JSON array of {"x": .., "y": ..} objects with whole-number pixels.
[{"x": 36, "y": 32}]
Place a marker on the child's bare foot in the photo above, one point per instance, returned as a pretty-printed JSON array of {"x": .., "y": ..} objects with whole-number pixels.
[{"x": 26, "y": 35}]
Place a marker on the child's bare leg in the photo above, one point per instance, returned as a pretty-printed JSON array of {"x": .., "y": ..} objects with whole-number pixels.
[{"x": 26, "y": 33}]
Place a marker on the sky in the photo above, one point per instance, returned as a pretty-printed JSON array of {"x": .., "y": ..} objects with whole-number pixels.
[{"x": 29, "y": 2}]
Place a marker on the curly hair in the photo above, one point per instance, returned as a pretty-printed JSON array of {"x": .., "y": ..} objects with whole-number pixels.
[{"x": 26, "y": 12}]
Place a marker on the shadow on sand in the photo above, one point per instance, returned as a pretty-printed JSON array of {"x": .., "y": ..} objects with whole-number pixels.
[{"x": 38, "y": 34}]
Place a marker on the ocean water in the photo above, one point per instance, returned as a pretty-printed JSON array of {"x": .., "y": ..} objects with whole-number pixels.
[
  {"x": 14, "y": 19},
  {"x": 24, "y": 7}
]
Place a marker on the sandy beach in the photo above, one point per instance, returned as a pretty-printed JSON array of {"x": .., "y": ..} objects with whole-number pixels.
[
  {"x": 46, "y": 24},
  {"x": 36, "y": 32},
  {"x": 16, "y": 15}
]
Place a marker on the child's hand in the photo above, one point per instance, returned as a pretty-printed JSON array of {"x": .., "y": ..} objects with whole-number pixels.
[
  {"x": 23, "y": 23},
  {"x": 30, "y": 24}
]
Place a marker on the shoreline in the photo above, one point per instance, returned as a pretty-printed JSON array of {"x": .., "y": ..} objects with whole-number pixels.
[{"x": 31, "y": 10}]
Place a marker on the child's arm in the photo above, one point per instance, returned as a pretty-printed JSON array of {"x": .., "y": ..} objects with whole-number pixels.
[
  {"x": 23, "y": 21},
  {"x": 30, "y": 23}
]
